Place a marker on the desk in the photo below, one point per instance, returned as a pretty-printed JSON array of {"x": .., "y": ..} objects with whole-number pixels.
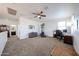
[{"x": 68, "y": 39}]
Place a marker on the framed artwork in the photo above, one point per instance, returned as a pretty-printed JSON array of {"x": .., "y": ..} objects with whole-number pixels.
[{"x": 31, "y": 26}]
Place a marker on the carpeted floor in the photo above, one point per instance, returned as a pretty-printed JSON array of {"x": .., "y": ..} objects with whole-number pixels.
[{"x": 31, "y": 46}]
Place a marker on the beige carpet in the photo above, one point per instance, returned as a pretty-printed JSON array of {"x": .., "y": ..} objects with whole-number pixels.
[{"x": 31, "y": 46}]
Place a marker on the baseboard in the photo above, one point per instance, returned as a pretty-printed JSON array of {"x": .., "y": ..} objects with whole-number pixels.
[{"x": 48, "y": 36}]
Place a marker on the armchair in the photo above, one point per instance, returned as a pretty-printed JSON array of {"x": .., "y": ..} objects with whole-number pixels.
[{"x": 59, "y": 34}]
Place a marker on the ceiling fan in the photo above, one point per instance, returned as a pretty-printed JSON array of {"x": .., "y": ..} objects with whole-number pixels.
[{"x": 39, "y": 15}]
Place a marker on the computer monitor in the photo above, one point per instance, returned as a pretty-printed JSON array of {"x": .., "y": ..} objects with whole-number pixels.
[{"x": 65, "y": 30}]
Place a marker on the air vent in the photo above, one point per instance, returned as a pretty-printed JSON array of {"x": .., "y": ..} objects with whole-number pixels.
[{"x": 12, "y": 11}]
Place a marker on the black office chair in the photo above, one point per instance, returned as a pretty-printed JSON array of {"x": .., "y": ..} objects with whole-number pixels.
[{"x": 59, "y": 34}]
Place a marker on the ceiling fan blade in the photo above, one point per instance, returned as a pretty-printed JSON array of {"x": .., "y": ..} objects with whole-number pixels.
[
  {"x": 35, "y": 16},
  {"x": 43, "y": 15}
]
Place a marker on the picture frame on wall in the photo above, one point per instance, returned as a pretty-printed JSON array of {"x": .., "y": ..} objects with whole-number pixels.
[{"x": 31, "y": 26}]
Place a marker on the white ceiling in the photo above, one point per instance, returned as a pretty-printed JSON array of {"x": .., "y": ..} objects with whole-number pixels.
[{"x": 54, "y": 11}]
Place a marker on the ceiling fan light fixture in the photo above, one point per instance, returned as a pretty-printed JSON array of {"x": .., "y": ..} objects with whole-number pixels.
[{"x": 39, "y": 16}]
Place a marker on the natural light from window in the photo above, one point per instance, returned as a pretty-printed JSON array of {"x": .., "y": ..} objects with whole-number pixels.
[{"x": 61, "y": 25}]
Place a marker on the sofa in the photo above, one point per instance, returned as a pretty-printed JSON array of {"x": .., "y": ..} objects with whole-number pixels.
[{"x": 33, "y": 34}]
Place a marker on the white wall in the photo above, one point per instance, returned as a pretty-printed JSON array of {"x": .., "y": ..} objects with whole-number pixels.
[
  {"x": 3, "y": 40},
  {"x": 68, "y": 25},
  {"x": 50, "y": 26},
  {"x": 76, "y": 41},
  {"x": 75, "y": 34},
  {"x": 23, "y": 27},
  {"x": 8, "y": 21}
]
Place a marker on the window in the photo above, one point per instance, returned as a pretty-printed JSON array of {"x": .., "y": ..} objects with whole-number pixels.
[{"x": 61, "y": 25}]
